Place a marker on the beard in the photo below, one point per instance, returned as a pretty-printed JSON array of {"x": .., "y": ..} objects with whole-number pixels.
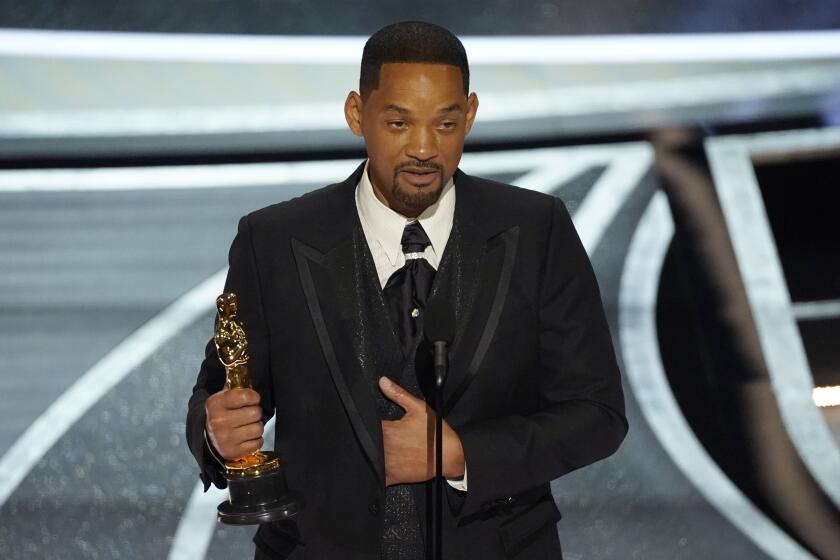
[{"x": 413, "y": 198}]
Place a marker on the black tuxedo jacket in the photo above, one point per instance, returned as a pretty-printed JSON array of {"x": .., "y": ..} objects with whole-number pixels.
[{"x": 533, "y": 391}]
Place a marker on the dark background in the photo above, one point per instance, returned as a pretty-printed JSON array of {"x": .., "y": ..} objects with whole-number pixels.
[{"x": 494, "y": 17}]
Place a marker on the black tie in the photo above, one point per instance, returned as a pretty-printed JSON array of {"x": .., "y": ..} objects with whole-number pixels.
[{"x": 407, "y": 289}]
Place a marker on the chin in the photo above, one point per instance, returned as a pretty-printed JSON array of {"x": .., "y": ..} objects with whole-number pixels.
[{"x": 417, "y": 199}]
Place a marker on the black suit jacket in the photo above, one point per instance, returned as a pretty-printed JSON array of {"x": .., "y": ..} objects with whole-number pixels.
[{"x": 533, "y": 391}]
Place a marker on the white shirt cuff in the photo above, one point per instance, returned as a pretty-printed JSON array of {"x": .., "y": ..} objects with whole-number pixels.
[
  {"x": 459, "y": 483},
  {"x": 213, "y": 451}
]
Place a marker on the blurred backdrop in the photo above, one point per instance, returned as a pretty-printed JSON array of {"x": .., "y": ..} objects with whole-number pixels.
[{"x": 696, "y": 145}]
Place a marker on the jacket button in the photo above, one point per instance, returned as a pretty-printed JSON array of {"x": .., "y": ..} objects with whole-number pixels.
[{"x": 373, "y": 508}]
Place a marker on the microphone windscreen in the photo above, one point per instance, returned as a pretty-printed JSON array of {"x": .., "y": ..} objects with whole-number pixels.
[{"x": 439, "y": 322}]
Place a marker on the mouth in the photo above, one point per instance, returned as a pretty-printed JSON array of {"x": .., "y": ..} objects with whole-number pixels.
[{"x": 419, "y": 176}]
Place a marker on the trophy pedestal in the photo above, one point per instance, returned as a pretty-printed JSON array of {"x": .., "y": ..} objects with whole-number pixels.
[{"x": 258, "y": 498}]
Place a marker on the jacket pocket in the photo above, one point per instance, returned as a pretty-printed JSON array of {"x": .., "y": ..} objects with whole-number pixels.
[{"x": 523, "y": 528}]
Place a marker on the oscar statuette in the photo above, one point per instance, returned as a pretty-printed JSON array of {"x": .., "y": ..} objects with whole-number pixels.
[{"x": 256, "y": 482}]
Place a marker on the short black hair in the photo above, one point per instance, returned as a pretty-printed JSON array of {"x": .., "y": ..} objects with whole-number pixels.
[{"x": 411, "y": 41}]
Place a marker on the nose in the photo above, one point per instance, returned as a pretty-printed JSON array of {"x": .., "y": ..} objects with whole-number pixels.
[{"x": 422, "y": 144}]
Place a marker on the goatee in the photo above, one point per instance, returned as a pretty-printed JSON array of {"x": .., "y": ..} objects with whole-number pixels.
[{"x": 416, "y": 199}]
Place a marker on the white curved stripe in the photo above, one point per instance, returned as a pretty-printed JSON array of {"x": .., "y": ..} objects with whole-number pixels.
[
  {"x": 597, "y": 210},
  {"x": 550, "y": 176},
  {"x": 813, "y": 310},
  {"x": 261, "y": 174},
  {"x": 197, "y": 525},
  {"x": 625, "y": 165},
  {"x": 562, "y": 165},
  {"x": 174, "y": 176},
  {"x": 42, "y": 434},
  {"x": 694, "y": 47},
  {"x": 783, "y": 144},
  {"x": 645, "y": 372},
  {"x": 198, "y": 522},
  {"x": 731, "y": 162},
  {"x": 574, "y": 100}
]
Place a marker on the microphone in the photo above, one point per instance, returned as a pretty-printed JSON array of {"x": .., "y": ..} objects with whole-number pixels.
[
  {"x": 439, "y": 330},
  {"x": 439, "y": 322}
]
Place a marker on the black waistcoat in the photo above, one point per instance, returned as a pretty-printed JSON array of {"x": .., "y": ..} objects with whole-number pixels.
[{"x": 380, "y": 352}]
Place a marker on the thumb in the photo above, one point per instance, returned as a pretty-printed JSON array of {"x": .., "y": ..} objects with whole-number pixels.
[{"x": 400, "y": 396}]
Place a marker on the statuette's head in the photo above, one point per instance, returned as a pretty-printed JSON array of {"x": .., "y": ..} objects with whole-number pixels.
[{"x": 226, "y": 305}]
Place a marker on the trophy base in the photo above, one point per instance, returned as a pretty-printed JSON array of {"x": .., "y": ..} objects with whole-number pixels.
[{"x": 260, "y": 498}]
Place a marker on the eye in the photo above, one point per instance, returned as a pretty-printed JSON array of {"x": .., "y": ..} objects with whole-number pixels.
[
  {"x": 448, "y": 125},
  {"x": 397, "y": 124}
]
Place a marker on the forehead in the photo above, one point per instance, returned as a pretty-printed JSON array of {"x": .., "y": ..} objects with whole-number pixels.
[{"x": 410, "y": 80}]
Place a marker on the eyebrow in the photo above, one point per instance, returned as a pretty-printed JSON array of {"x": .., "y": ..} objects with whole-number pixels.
[
  {"x": 453, "y": 107},
  {"x": 404, "y": 111},
  {"x": 397, "y": 108}
]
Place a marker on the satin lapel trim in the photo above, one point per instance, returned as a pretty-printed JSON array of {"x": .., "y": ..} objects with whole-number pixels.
[
  {"x": 317, "y": 280},
  {"x": 501, "y": 247}
]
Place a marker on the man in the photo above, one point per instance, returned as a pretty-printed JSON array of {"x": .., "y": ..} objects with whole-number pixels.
[{"x": 332, "y": 287}]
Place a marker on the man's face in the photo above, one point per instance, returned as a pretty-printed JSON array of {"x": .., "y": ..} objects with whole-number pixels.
[{"x": 414, "y": 126}]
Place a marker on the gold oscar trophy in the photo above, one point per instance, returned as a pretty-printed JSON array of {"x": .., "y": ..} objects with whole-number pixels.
[{"x": 256, "y": 482}]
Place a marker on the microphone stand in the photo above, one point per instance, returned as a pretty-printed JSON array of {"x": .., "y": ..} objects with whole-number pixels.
[{"x": 440, "y": 364}]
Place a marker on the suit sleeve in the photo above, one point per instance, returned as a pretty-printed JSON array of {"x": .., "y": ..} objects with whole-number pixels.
[
  {"x": 580, "y": 419},
  {"x": 243, "y": 280}
]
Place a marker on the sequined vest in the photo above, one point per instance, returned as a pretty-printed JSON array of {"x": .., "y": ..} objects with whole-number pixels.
[{"x": 380, "y": 353}]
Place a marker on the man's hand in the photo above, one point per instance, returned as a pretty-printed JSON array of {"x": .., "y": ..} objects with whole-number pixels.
[
  {"x": 234, "y": 425},
  {"x": 410, "y": 441}
]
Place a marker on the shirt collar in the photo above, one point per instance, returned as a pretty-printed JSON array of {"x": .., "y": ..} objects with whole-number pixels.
[{"x": 387, "y": 226}]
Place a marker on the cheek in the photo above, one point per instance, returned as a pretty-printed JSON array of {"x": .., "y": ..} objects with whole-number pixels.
[
  {"x": 451, "y": 150},
  {"x": 383, "y": 147},
  {"x": 382, "y": 172},
  {"x": 452, "y": 143}
]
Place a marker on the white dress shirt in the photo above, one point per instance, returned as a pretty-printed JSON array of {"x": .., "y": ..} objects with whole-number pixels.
[{"x": 383, "y": 229}]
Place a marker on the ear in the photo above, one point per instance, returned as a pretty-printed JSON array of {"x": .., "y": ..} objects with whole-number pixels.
[
  {"x": 353, "y": 112},
  {"x": 472, "y": 109}
]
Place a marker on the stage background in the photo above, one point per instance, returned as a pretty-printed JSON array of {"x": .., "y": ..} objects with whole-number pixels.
[{"x": 696, "y": 145}]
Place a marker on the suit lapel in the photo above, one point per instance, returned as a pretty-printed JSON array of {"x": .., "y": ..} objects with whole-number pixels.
[
  {"x": 492, "y": 286},
  {"x": 327, "y": 278},
  {"x": 483, "y": 254},
  {"x": 318, "y": 273}
]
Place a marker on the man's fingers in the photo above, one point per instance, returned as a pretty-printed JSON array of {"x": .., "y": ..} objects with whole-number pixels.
[
  {"x": 244, "y": 416},
  {"x": 238, "y": 398},
  {"x": 232, "y": 444},
  {"x": 248, "y": 433},
  {"x": 249, "y": 447},
  {"x": 229, "y": 419},
  {"x": 245, "y": 448},
  {"x": 400, "y": 396},
  {"x": 233, "y": 422}
]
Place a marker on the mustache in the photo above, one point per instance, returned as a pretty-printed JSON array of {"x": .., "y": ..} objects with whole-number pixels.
[{"x": 418, "y": 164}]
